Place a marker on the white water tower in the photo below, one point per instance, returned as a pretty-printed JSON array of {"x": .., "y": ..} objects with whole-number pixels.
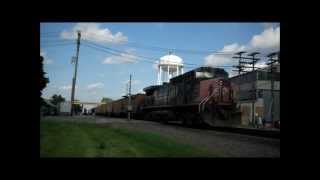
[{"x": 169, "y": 66}]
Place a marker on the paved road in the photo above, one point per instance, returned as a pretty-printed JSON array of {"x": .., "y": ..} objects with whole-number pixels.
[{"x": 229, "y": 144}]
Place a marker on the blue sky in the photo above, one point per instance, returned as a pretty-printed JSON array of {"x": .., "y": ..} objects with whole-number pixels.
[{"x": 101, "y": 74}]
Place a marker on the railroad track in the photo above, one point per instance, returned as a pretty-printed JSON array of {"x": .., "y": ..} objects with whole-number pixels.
[{"x": 247, "y": 131}]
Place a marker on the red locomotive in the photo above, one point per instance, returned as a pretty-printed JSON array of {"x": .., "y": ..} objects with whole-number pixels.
[{"x": 203, "y": 95}]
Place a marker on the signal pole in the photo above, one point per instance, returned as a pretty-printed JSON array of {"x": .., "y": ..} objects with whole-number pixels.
[
  {"x": 129, "y": 103},
  {"x": 75, "y": 73}
]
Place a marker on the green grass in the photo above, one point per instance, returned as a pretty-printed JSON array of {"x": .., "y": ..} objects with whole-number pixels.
[{"x": 71, "y": 139}]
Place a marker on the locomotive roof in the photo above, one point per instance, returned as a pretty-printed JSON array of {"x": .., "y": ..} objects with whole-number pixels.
[
  {"x": 151, "y": 88},
  {"x": 216, "y": 72}
]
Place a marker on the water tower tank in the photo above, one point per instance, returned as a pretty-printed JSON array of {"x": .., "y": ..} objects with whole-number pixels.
[{"x": 169, "y": 66}]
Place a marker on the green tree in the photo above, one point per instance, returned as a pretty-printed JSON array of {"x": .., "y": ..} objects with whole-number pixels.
[
  {"x": 106, "y": 99},
  {"x": 43, "y": 80},
  {"x": 56, "y": 99}
]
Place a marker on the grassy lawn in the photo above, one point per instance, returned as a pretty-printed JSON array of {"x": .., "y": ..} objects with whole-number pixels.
[{"x": 73, "y": 139}]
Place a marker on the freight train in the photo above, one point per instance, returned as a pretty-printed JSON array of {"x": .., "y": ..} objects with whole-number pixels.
[
  {"x": 201, "y": 96},
  {"x": 119, "y": 108}
]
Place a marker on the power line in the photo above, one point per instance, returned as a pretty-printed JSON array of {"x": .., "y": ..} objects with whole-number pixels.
[
  {"x": 50, "y": 33},
  {"x": 119, "y": 51},
  {"x": 59, "y": 44},
  {"x": 157, "y": 48},
  {"x": 132, "y": 56},
  {"x": 123, "y": 52},
  {"x": 192, "y": 51},
  {"x": 52, "y": 41},
  {"x": 145, "y": 57},
  {"x": 119, "y": 54}
]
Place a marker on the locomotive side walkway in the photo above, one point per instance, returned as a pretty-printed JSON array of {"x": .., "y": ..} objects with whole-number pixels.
[{"x": 226, "y": 144}]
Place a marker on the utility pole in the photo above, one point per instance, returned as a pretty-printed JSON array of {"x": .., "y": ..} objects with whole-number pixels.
[
  {"x": 239, "y": 57},
  {"x": 242, "y": 64},
  {"x": 253, "y": 59},
  {"x": 129, "y": 103},
  {"x": 75, "y": 73},
  {"x": 271, "y": 62},
  {"x": 254, "y": 90}
]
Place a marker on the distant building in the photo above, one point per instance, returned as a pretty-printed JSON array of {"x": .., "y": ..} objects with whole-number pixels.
[
  {"x": 65, "y": 108},
  {"x": 254, "y": 96}
]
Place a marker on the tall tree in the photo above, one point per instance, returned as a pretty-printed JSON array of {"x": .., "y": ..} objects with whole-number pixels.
[
  {"x": 43, "y": 80},
  {"x": 56, "y": 99}
]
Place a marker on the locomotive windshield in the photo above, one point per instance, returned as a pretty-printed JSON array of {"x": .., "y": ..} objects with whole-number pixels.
[
  {"x": 204, "y": 75},
  {"x": 207, "y": 73}
]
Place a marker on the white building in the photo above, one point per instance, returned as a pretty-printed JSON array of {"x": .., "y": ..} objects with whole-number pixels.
[
  {"x": 169, "y": 66},
  {"x": 65, "y": 108}
]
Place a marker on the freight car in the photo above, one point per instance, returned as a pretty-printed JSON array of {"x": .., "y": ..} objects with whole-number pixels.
[
  {"x": 119, "y": 108},
  {"x": 101, "y": 109},
  {"x": 203, "y": 95}
]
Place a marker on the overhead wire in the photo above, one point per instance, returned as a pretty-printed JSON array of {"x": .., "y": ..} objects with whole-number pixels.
[
  {"x": 150, "y": 48},
  {"x": 133, "y": 56},
  {"x": 145, "y": 57},
  {"x": 166, "y": 49},
  {"x": 56, "y": 44},
  {"x": 122, "y": 54},
  {"x": 189, "y": 51}
]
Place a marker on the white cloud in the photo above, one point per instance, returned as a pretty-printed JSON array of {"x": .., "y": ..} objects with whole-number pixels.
[
  {"x": 95, "y": 86},
  {"x": 46, "y": 60},
  {"x": 67, "y": 87},
  {"x": 223, "y": 59},
  {"x": 133, "y": 82},
  {"x": 259, "y": 64},
  {"x": 268, "y": 39},
  {"x": 93, "y": 32},
  {"x": 123, "y": 58},
  {"x": 232, "y": 48}
]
